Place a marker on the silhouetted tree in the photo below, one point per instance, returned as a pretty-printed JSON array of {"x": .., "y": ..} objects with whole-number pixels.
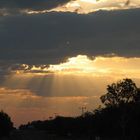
[
  {"x": 124, "y": 91},
  {"x": 6, "y": 124},
  {"x": 137, "y": 96},
  {"x": 123, "y": 98}
]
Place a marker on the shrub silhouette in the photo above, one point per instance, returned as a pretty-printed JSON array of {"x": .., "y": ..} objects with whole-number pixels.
[{"x": 5, "y": 124}]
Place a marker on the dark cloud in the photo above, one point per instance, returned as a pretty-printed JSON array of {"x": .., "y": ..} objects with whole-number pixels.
[
  {"x": 53, "y": 37},
  {"x": 49, "y": 38},
  {"x": 16, "y": 6}
]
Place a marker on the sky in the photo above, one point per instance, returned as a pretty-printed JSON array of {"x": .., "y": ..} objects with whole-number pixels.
[{"x": 57, "y": 56}]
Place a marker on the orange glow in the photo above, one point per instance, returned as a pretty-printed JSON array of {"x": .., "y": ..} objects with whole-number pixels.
[
  {"x": 44, "y": 90},
  {"x": 81, "y": 65}
]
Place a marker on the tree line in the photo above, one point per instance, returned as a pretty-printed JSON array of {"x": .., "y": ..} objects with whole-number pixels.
[{"x": 118, "y": 117}]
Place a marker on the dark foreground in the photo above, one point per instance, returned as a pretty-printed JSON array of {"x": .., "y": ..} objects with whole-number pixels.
[{"x": 42, "y": 135}]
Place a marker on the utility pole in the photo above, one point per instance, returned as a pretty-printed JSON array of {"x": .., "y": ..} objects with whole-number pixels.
[
  {"x": 55, "y": 115},
  {"x": 83, "y": 108}
]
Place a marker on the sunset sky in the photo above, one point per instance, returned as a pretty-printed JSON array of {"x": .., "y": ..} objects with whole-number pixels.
[{"x": 59, "y": 55}]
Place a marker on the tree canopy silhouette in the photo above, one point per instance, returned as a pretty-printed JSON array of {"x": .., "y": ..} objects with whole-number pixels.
[
  {"x": 6, "y": 124},
  {"x": 124, "y": 91}
]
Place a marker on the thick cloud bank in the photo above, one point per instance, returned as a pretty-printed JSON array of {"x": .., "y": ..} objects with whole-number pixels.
[{"x": 49, "y": 38}]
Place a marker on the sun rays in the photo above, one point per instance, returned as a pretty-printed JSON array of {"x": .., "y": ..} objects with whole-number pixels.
[
  {"x": 72, "y": 74},
  {"x": 43, "y": 90}
]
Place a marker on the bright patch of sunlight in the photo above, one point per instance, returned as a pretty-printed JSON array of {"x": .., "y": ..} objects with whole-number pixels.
[
  {"x": 82, "y": 64},
  {"x": 88, "y": 6}
]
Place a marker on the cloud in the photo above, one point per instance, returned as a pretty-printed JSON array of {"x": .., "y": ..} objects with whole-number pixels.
[
  {"x": 18, "y": 6},
  {"x": 50, "y": 38},
  {"x": 89, "y": 6},
  {"x": 12, "y": 7},
  {"x": 66, "y": 79}
]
